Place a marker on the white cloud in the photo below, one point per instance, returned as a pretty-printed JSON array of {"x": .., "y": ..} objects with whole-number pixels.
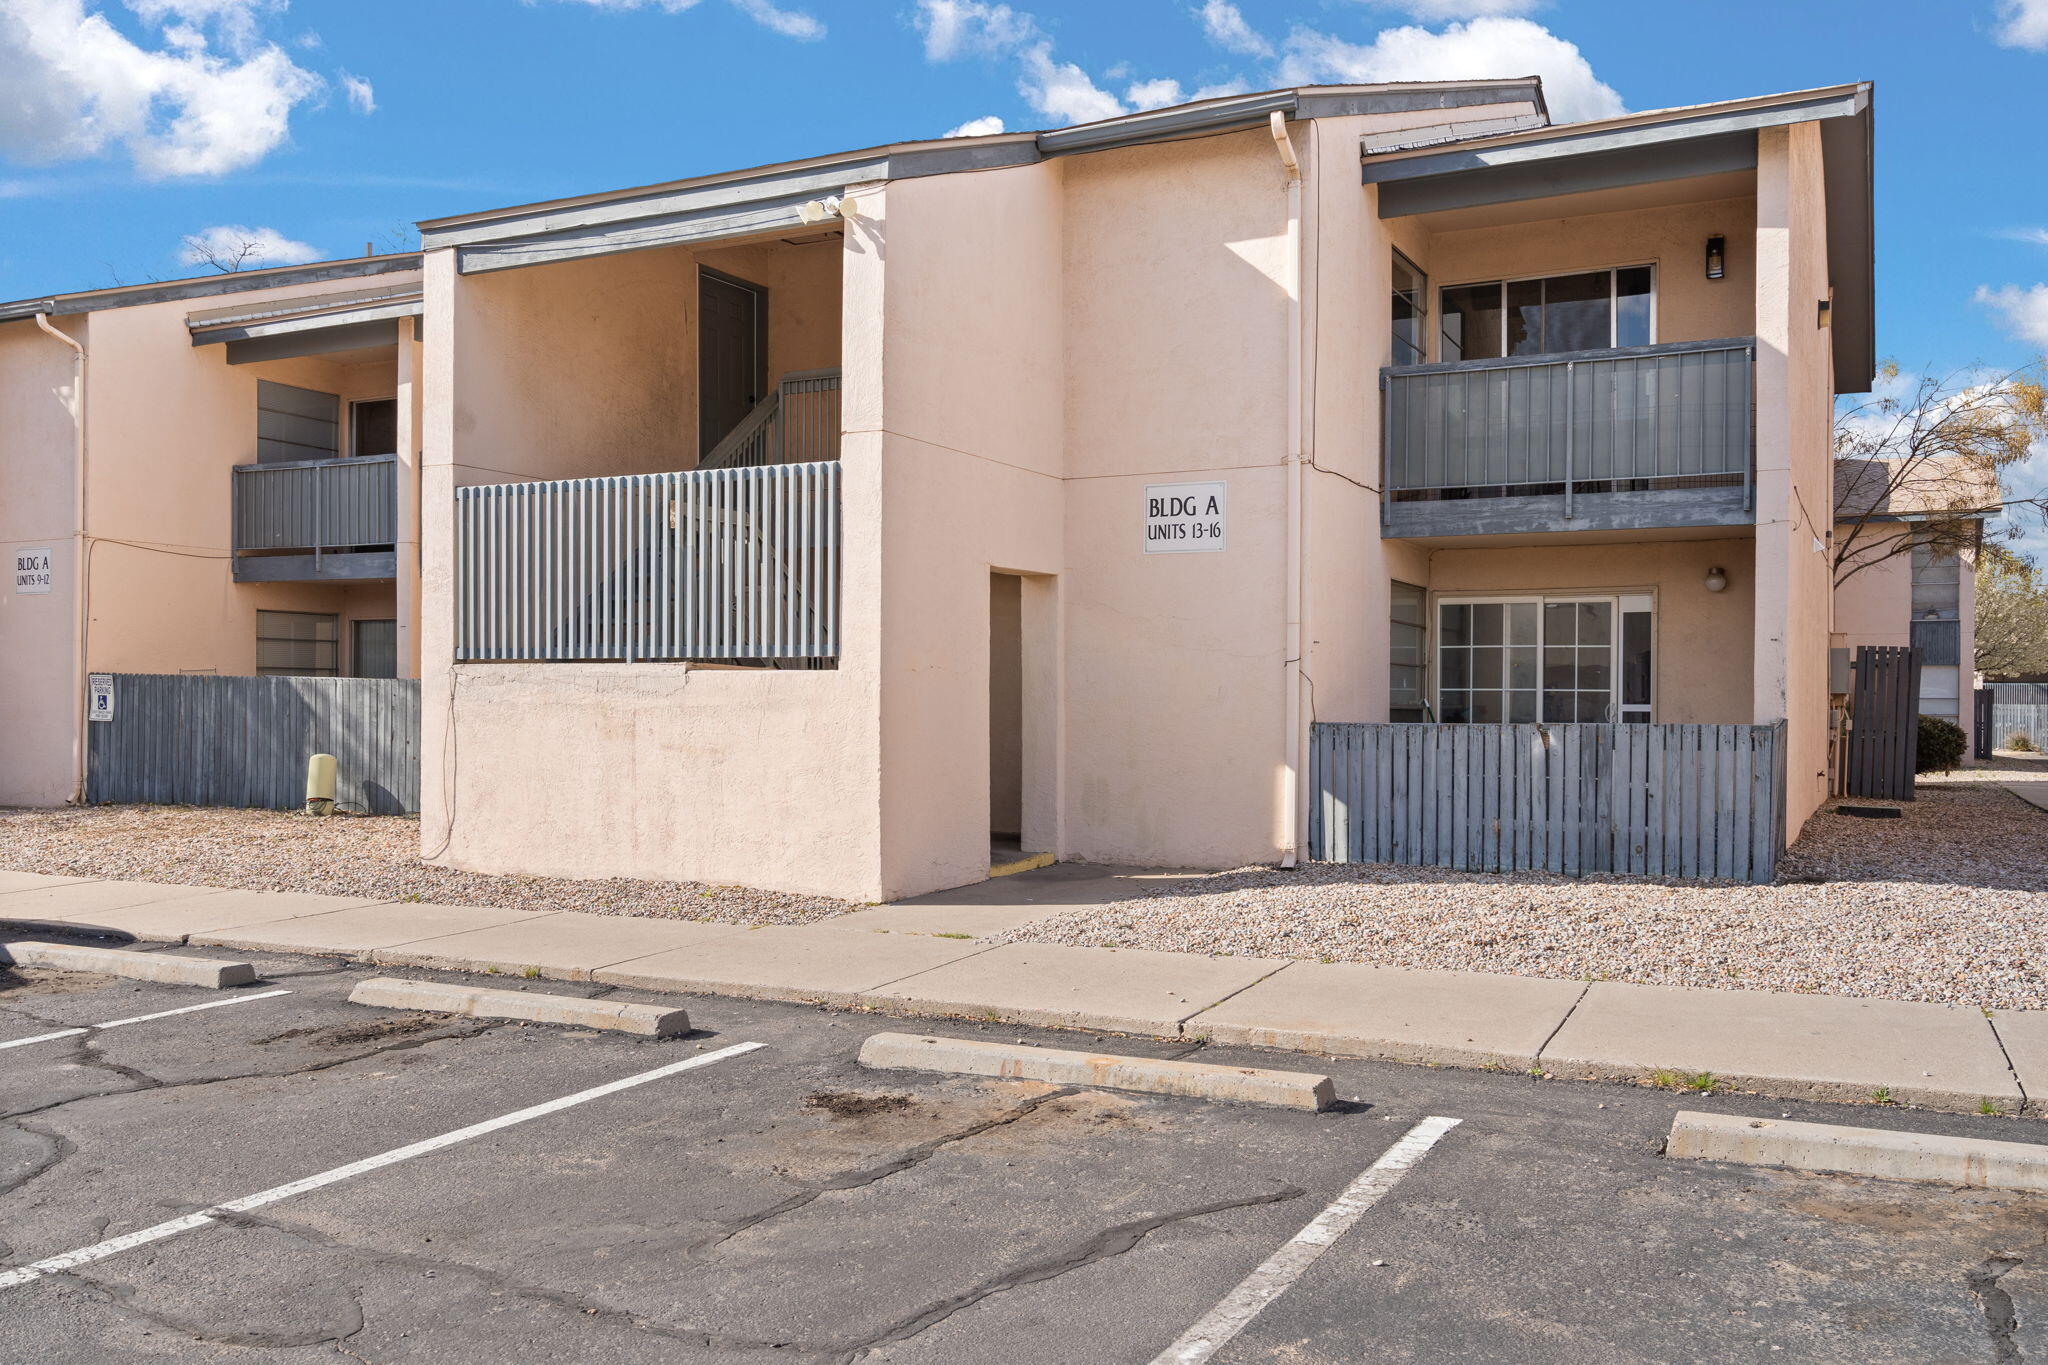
[
  {"x": 75, "y": 86},
  {"x": 978, "y": 127},
  {"x": 1153, "y": 94},
  {"x": 2023, "y": 23},
  {"x": 961, "y": 28},
  {"x": 233, "y": 247},
  {"x": 2037, "y": 236},
  {"x": 1441, "y": 11},
  {"x": 362, "y": 96},
  {"x": 1481, "y": 49},
  {"x": 789, "y": 23},
  {"x": 1061, "y": 90},
  {"x": 1226, "y": 27},
  {"x": 2022, "y": 312}
]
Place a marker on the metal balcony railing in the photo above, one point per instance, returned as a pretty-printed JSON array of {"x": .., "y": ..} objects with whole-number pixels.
[
  {"x": 316, "y": 505},
  {"x": 1640, "y": 419},
  {"x": 797, "y": 423},
  {"x": 719, "y": 564}
]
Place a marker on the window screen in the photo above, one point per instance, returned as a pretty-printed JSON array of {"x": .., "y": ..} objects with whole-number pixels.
[
  {"x": 296, "y": 424},
  {"x": 373, "y": 651},
  {"x": 1407, "y": 646},
  {"x": 1411, "y": 312},
  {"x": 297, "y": 642}
]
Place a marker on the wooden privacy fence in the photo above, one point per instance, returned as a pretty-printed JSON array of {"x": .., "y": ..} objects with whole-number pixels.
[
  {"x": 1884, "y": 723},
  {"x": 1659, "y": 800},
  {"x": 240, "y": 741}
]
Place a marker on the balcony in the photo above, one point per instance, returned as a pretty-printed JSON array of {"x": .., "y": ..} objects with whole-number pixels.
[
  {"x": 1643, "y": 438},
  {"x": 316, "y": 521},
  {"x": 733, "y": 565}
]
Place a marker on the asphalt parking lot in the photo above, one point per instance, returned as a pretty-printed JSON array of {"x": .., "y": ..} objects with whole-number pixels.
[{"x": 781, "y": 1203}]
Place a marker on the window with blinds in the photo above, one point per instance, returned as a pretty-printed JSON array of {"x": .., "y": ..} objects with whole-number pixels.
[
  {"x": 296, "y": 424},
  {"x": 302, "y": 643}
]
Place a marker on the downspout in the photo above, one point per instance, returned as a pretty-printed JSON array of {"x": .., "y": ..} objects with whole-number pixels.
[
  {"x": 1290, "y": 785},
  {"x": 81, "y": 548}
]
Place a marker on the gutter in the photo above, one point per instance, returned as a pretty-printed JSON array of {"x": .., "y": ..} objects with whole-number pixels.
[
  {"x": 81, "y": 552},
  {"x": 1291, "y": 785}
]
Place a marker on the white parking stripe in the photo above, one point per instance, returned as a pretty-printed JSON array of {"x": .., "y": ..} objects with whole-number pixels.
[
  {"x": 70, "y": 1260},
  {"x": 141, "y": 1018},
  {"x": 1223, "y": 1322}
]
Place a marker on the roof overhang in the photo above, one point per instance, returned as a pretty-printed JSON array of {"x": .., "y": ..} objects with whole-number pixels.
[
  {"x": 210, "y": 286},
  {"x": 771, "y": 198},
  {"x": 1672, "y": 145},
  {"x": 317, "y": 324}
]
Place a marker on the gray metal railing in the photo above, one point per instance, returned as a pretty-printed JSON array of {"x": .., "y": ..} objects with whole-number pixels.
[
  {"x": 2009, "y": 718},
  {"x": 316, "y": 504},
  {"x": 705, "y": 564},
  {"x": 1587, "y": 421},
  {"x": 797, "y": 423},
  {"x": 1658, "y": 800}
]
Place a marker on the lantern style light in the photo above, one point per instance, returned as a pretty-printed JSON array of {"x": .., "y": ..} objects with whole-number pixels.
[{"x": 1717, "y": 257}]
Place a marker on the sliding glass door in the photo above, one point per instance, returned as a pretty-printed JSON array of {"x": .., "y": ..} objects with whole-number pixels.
[{"x": 1558, "y": 660}]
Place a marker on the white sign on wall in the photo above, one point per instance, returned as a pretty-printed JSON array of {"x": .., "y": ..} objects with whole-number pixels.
[
  {"x": 32, "y": 571},
  {"x": 1184, "y": 518},
  {"x": 99, "y": 696}
]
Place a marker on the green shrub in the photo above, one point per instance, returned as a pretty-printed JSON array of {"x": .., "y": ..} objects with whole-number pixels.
[
  {"x": 1941, "y": 744},
  {"x": 2019, "y": 743}
]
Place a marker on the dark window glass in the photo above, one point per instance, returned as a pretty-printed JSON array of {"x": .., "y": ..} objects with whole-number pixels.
[
  {"x": 1471, "y": 323},
  {"x": 1635, "y": 659},
  {"x": 376, "y": 427},
  {"x": 1410, "y": 312},
  {"x": 1525, "y": 317},
  {"x": 1632, "y": 306},
  {"x": 1456, "y": 624},
  {"x": 1407, "y": 640},
  {"x": 1577, "y": 312}
]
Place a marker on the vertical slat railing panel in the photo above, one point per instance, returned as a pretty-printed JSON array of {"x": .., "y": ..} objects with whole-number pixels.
[
  {"x": 1672, "y": 801},
  {"x": 708, "y": 564}
]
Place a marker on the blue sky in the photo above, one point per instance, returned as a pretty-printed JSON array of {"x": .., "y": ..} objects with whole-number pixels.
[{"x": 332, "y": 123}]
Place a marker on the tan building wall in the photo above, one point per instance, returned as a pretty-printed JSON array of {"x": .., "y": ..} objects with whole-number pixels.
[{"x": 165, "y": 424}]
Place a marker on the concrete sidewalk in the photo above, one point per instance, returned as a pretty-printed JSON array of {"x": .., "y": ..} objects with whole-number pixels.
[{"x": 924, "y": 957}]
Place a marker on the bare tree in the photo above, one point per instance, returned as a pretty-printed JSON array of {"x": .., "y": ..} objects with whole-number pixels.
[
  {"x": 1932, "y": 458},
  {"x": 2012, "y": 616},
  {"x": 222, "y": 252}
]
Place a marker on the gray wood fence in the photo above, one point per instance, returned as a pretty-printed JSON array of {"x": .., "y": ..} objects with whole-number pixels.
[
  {"x": 244, "y": 741},
  {"x": 1659, "y": 800},
  {"x": 1884, "y": 723}
]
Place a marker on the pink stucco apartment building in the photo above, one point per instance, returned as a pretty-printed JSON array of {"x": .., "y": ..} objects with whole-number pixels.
[
  {"x": 808, "y": 525},
  {"x": 1216, "y": 485}
]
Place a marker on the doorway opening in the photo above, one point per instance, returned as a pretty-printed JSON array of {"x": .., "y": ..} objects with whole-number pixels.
[
  {"x": 1009, "y": 848},
  {"x": 732, "y": 354}
]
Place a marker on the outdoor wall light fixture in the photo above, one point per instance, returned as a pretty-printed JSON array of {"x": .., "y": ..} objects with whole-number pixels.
[
  {"x": 1717, "y": 579},
  {"x": 1717, "y": 257},
  {"x": 818, "y": 210}
]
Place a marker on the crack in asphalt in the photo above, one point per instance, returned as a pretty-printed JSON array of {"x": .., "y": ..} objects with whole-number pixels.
[
  {"x": 60, "y": 1150},
  {"x": 2001, "y": 1319},
  {"x": 84, "y": 1052},
  {"x": 1110, "y": 1242},
  {"x": 862, "y": 1177},
  {"x": 120, "y": 1297}
]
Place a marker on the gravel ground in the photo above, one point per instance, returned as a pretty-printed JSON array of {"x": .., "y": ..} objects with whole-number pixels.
[
  {"x": 261, "y": 850},
  {"x": 1949, "y": 903}
]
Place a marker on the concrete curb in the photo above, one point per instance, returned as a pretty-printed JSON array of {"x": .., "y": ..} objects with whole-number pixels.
[
  {"x": 1878, "y": 1153},
  {"x": 435, "y": 997},
  {"x": 1194, "y": 1080},
  {"x": 158, "y": 967}
]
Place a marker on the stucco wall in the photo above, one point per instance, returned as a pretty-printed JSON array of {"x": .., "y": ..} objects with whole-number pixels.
[
  {"x": 1689, "y": 306},
  {"x": 39, "y": 683},
  {"x": 1703, "y": 639},
  {"x": 1794, "y": 406},
  {"x": 755, "y": 776}
]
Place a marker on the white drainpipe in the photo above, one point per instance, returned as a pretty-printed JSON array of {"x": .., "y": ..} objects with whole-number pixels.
[
  {"x": 81, "y": 548},
  {"x": 1291, "y": 765}
]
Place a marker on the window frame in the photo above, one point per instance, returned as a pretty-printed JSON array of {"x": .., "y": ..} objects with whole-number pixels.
[
  {"x": 334, "y": 643},
  {"x": 1613, "y": 273},
  {"x": 1425, "y": 329},
  {"x": 1621, "y": 602},
  {"x": 355, "y": 426}
]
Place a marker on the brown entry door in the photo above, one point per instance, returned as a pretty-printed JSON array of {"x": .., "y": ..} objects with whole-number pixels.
[{"x": 731, "y": 355}]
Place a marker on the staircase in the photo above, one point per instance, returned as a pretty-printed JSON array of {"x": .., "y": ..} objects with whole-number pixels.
[{"x": 797, "y": 423}]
